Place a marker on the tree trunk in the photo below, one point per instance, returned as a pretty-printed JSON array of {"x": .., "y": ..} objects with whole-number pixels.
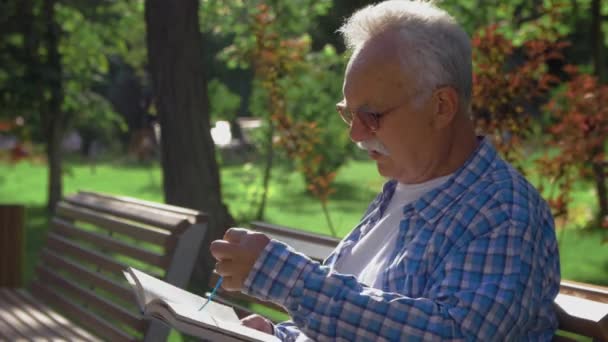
[
  {"x": 190, "y": 171},
  {"x": 53, "y": 116},
  {"x": 599, "y": 171},
  {"x": 597, "y": 39},
  {"x": 597, "y": 43}
]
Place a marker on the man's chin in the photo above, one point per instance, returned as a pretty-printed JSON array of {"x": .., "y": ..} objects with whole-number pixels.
[{"x": 384, "y": 166}]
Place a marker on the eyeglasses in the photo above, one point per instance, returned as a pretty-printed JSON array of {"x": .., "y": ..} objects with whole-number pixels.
[{"x": 371, "y": 120}]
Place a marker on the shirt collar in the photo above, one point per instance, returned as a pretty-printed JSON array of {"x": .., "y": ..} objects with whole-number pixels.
[{"x": 433, "y": 203}]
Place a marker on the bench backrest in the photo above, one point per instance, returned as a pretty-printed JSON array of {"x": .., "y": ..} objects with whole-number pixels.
[
  {"x": 316, "y": 246},
  {"x": 93, "y": 237},
  {"x": 573, "y": 306}
]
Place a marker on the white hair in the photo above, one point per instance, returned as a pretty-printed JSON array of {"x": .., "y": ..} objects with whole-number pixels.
[{"x": 429, "y": 40}]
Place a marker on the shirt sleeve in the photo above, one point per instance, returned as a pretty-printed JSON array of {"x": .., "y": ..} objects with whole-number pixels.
[
  {"x": 480, "y": 291},
  {"x": 286, "y": 331}
]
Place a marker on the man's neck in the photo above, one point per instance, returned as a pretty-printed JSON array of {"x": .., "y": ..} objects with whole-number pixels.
[
  {"x": 461, "y": 142},
  {"x": 460, "y": 148}
]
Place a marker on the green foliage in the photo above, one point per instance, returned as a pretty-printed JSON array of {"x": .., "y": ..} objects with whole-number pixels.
[
  {"x": 96, "y": 117},
  {"x": 19, "y": 82},
  {"x": 90, "y": 34},
  {"x": 82, "y": 47},
  {"x": 520, "y": 19},
  {"x": 235, "y": 18},
  {"x": 224, "y": 103},
  {"x": 295, "y": 89},
  {"x": 249, "y": 189},
  {"x": 312, "y": 94},
  {"x": 91, "y": 37}
]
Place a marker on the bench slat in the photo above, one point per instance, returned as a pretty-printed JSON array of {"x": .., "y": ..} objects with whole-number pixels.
[
  {"x": 195, "y": 215},
  {"x": 130, "y": 211},
  {"x": 113, "y": 245},
  {"x": 6, "y": 331},
  {"x": 48, "y": 278},
  {"x": 56, "y": 317},
  {"x": 26, "y": 324},
  {"x": 588, "y": 291},
  {"x": 11, "y": 327},
  {"x": 39, "y": 324},
  {"x": 88, "y": 319},
  {"x": 105, "y": 221},
  {"x": 63, "y": 246},
  {"x": 83, "y": 274}
]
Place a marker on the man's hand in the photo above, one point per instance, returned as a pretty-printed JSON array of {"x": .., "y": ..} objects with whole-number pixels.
[
  {"x": 258, "y": 322},
  {"x": 236, "y": 254}
]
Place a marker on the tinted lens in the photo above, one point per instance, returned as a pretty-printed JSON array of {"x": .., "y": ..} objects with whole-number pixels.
[{"x": 368, "y": 119}]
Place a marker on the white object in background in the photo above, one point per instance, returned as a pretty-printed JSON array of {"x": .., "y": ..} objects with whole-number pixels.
[{"x": 221, "y": 133}]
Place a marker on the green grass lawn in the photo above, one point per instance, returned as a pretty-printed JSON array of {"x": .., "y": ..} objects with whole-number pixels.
[{"x": 583, "y": 257}]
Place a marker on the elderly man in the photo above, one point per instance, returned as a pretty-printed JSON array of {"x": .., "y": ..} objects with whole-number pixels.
[{"x": 458, "y": 246}]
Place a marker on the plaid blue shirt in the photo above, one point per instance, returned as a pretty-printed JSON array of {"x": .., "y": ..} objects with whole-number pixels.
[{"x": 476, "y": 259}]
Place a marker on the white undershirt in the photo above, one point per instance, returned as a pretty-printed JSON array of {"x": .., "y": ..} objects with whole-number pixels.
[{"x": 372, "y": 253}]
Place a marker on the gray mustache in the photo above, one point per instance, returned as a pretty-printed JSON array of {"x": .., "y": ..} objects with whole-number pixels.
[{"x": 373, "y": 145}]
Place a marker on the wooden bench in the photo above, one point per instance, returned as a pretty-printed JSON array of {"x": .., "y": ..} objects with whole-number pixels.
[
  {"x": 581, "y": 308},
  {"x": 79, "y": 291}
]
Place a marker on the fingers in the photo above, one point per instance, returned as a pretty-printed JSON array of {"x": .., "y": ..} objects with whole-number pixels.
[
  {"x": 225, "y": 268},
  {"x": 232, "y": 284},
  {"x": 233, "y": 272},
  {"x": 257, "y": 322},
  {"x": 224, "y": 250},
  {"x": 234, "y": 235},
  {"x": 236, "y": 255}
]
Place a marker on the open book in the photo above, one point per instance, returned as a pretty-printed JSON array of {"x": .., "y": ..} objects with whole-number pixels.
[{"x": 180, "y": 310}]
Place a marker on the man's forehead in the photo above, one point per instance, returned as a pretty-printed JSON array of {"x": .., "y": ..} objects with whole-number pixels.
[{"x": 374, "y": 73}]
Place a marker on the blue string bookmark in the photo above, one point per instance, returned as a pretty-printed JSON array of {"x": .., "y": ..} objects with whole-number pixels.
[{"x": 217, "y": 286}]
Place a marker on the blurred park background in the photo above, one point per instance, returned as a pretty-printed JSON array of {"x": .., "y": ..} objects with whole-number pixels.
[{"x": 228, "y": 106}]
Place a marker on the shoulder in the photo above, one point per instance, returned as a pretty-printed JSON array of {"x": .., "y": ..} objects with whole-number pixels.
[{"x": 503, "y": 197}]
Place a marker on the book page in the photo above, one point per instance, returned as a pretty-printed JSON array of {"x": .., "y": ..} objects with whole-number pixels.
[
  {"x": 180, "y": 309},
  {"x": 132, "y": 280},
  {"x": 154, "y": 288},
  {"x": 197, "y": 322}
]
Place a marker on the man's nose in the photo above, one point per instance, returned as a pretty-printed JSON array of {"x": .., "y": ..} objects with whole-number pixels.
[{"x": 359, "y": 132}]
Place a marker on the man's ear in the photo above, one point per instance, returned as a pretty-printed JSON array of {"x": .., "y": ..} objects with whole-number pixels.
[{"x": 446, "y": 106}]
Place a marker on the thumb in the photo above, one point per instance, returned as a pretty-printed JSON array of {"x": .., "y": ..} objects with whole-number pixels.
[{"x": 235, "y": 235}]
